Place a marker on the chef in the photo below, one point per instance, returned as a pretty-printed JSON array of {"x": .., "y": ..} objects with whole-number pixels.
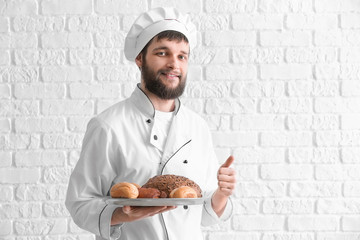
[{"x": 151, "y": 133}]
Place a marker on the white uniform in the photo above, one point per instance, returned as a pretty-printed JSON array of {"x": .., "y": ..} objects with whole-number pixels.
[{"x": 121, "y": 144}]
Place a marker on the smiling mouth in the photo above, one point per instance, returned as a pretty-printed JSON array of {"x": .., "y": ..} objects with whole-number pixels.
[{"x": 171, "y": 75}]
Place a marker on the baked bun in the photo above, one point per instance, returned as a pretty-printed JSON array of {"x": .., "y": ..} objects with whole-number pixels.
[
  {"x": 183, "y": 192},
  {"x": 124, "y": 190},
  {"x": 149, "y": 193},
  {"x": 167, "y": 183}
]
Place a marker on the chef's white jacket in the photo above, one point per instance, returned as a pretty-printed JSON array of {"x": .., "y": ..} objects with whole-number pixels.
[{"x": 119, "y": 145}]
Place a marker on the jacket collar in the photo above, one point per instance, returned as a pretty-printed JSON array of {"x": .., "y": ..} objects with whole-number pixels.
[{"x": 143, "y": 102}]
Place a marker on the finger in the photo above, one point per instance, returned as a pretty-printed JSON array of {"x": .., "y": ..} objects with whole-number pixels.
[
  {"x": 228, "y": 162},
  {"x": 227, "y": 178},
  {"x": 226, "y": 171},
  {"x": 126, "y": 209},
  {"x": 226, "y": 185}
]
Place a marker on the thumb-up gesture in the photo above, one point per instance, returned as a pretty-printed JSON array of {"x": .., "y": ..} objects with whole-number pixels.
[{"x": 226, "y": 178}]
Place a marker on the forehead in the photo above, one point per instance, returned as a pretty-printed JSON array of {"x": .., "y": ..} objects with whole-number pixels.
[{"x": 173, "y": 45}]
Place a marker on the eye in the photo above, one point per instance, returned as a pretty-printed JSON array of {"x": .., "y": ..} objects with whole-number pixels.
[
  {"x": 161, "y": 53},
  {"x": 182, "y": 57}
]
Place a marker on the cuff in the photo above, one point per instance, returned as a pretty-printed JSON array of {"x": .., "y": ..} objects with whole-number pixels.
[
  {"x": 106, "y": 230},
  {"x": 227, "y": 211}
]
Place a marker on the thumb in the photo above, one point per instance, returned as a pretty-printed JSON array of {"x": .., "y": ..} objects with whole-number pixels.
[{"x": 228, "y": 162}]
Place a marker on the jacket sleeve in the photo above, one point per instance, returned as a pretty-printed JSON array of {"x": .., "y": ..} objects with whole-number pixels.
[
  {"x": 91, "y": 180},
  {"x": 209, "y": 217}
]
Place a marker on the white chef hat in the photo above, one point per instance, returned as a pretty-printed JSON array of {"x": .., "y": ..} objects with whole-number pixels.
[{"x": 157, "y": 20}]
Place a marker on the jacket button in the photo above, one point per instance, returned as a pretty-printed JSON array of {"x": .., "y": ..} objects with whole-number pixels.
[
  {"x": 148, "y": 121},
  {"x": 155, "y": 137},
  {"x": 185, "y": 161},
  {"x": 186, "y": 207}
]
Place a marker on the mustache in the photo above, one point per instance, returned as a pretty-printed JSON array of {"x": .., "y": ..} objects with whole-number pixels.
[{"x": 169, "y": 71}]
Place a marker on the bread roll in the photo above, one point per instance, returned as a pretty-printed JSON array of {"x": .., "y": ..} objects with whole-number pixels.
[
  {"x": 124, "y": 190},
  {"x": 183, "y": 192}
]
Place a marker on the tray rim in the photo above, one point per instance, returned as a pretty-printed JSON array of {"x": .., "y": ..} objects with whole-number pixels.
[{"x": 155, "y": 201}]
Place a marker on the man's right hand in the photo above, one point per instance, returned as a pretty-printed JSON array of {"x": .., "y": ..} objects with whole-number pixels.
[{"x": 130, "y": 214}]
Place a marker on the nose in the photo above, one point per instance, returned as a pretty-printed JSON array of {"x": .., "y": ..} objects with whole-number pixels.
[{"x": 173, "y": 62}]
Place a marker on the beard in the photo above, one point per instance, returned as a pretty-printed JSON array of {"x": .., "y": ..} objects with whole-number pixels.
[{"x": 154, "y": 84}]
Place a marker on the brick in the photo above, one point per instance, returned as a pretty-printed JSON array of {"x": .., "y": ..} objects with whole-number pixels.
[
  {"x": 259, "y": 55},
  {"x": 285, "y": 38},
  {"x": 326, "y": 155},
  {"x": 256, "y": 21},
  {"x": 230, "y": 72},
  {"x": 326, "y": 88},
  {"x": 228, "y": 6},
  {"x": 87, "y": 91},
  {"x": 350, "y": 154},
  {"x": 19, "y": 74},
  {"x": 234, "y": 139},
  {"x": 77, "y": 124},
  {"x": 186, "y": 6},
  {"x": 5, "y": 40},
  {"x": 246, "y": 206},
  {"x": 52, "y": 57},
  {"x": 352, "y": 189},
  {"x": 350, "y": 223},
  {"x": 94, "y": 23},
  {"x": 5, "y": 58},
  {"x": 113, "y": 74},
  {"x": 336, "y": 6},
  {"x": 281, "y": 6},
  {"x": 40, "y": 125},
  {"x": 350, "y": 138},
  {"x": 4, "y": 25},
  {"x": 327, "y": 71},
  {"x": 350, "y": 72},
  {"x": 315, "y": 189},
  {"x": 6, "y": 159},
  {"x": 233, "y": 236},
  {"x": 73, "y": 157},
  {"x": 19, "y": 108},
  {"x": 336, "y": 105},
  {"x": 216, "y": 22},
  {"x": 62, "y": 141},
  {"x": 38, "y": 24},
  {"x": 260, "y": 189},
  {"x": 337, "y": 172},
  {"x": 258, "y": 223},
  {"x": 299, "y": 88},
  {"x": 55, "y": 209},
  {"x": 337, "y": 236},
  {"x": 5, "y": 228},
  {"x": 67, "y": 107},
  {"x": 57, "y": 175},
  {"x": 312, "y": 21},
  {"x": 230, "y": 106},
  {"x": 300, "y": 155},
  {"x": 101, "y": 105},
  {"x": 24, "y": 40},
  {"x": 286, "y": 172},
  {"x": 41, "y": 192},
  {"x": 350, "y": 55},
  {"x": 350, "y": 121},
  {"x": 6, "y": 193},
  {"x": 288, "y": 206},
  {"x": 107, "y": 57},
  {"x": 216, "y": 122},
  {"x": 26, "y": 57},
  {"x": 341, "y": 206},
  {"x": 325, "y": 122},
  {"x": 67, "y": 74},
  {"x": 39, "y": 158},
  {"x": 207, "y": 90},
  {"x": 57, "y": 7},
  {"x": 286, "y": 71},
  {"x": 40, "y": 226},
  {"x": 350, "y": 20},
  {"x": 247, "y": 173},
  {"x": 110, "y": 40},
  {"x": 81, "y": 56},
  {"x": 313, "y": 223},
  {"x": 258, "y": 89},
  {"x": 209, "y": 55},
  {"x": 19, "y": 141},
  {"x": 285, "y": 105},
  {"x": 299, "y": 122},
  {"x": 258, "y": 122},
  {"x": 328, "y": 138},
  {"x": 336, "y": 38},
  {"x": 124, "y": 7},
  {"x": 19, "y": 175},
  {"x": 226, "y": 38},
  {"x": 24, "y": 210},
  {"x": 18, "y": 7},
  {"x": 66, "y": 40},
  {"x": 259, "y": 155},
  {"x": 288, "y": 236},
  {"x": 5, "y": 91},
  {"x": 39, "y": 91},
  {"x": 313, "y": 55}
]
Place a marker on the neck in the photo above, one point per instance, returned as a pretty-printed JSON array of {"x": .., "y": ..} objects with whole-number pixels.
[{"x": 163, "y": 105}]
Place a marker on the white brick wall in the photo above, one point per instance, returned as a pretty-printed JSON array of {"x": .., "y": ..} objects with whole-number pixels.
[{"x": 277, "y": 80}]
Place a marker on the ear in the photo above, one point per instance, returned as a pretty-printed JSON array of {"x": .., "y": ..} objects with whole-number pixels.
[{"x": 139, "y": 60}]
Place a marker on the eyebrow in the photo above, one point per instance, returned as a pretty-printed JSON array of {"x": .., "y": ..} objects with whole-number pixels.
[{"x": 166, "y": 48}]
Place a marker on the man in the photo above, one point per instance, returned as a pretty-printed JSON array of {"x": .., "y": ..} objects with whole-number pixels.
[{"x": 150, "y": 134}]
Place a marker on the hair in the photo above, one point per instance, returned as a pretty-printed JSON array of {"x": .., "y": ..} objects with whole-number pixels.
[{"x": 170, "y": 35}]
